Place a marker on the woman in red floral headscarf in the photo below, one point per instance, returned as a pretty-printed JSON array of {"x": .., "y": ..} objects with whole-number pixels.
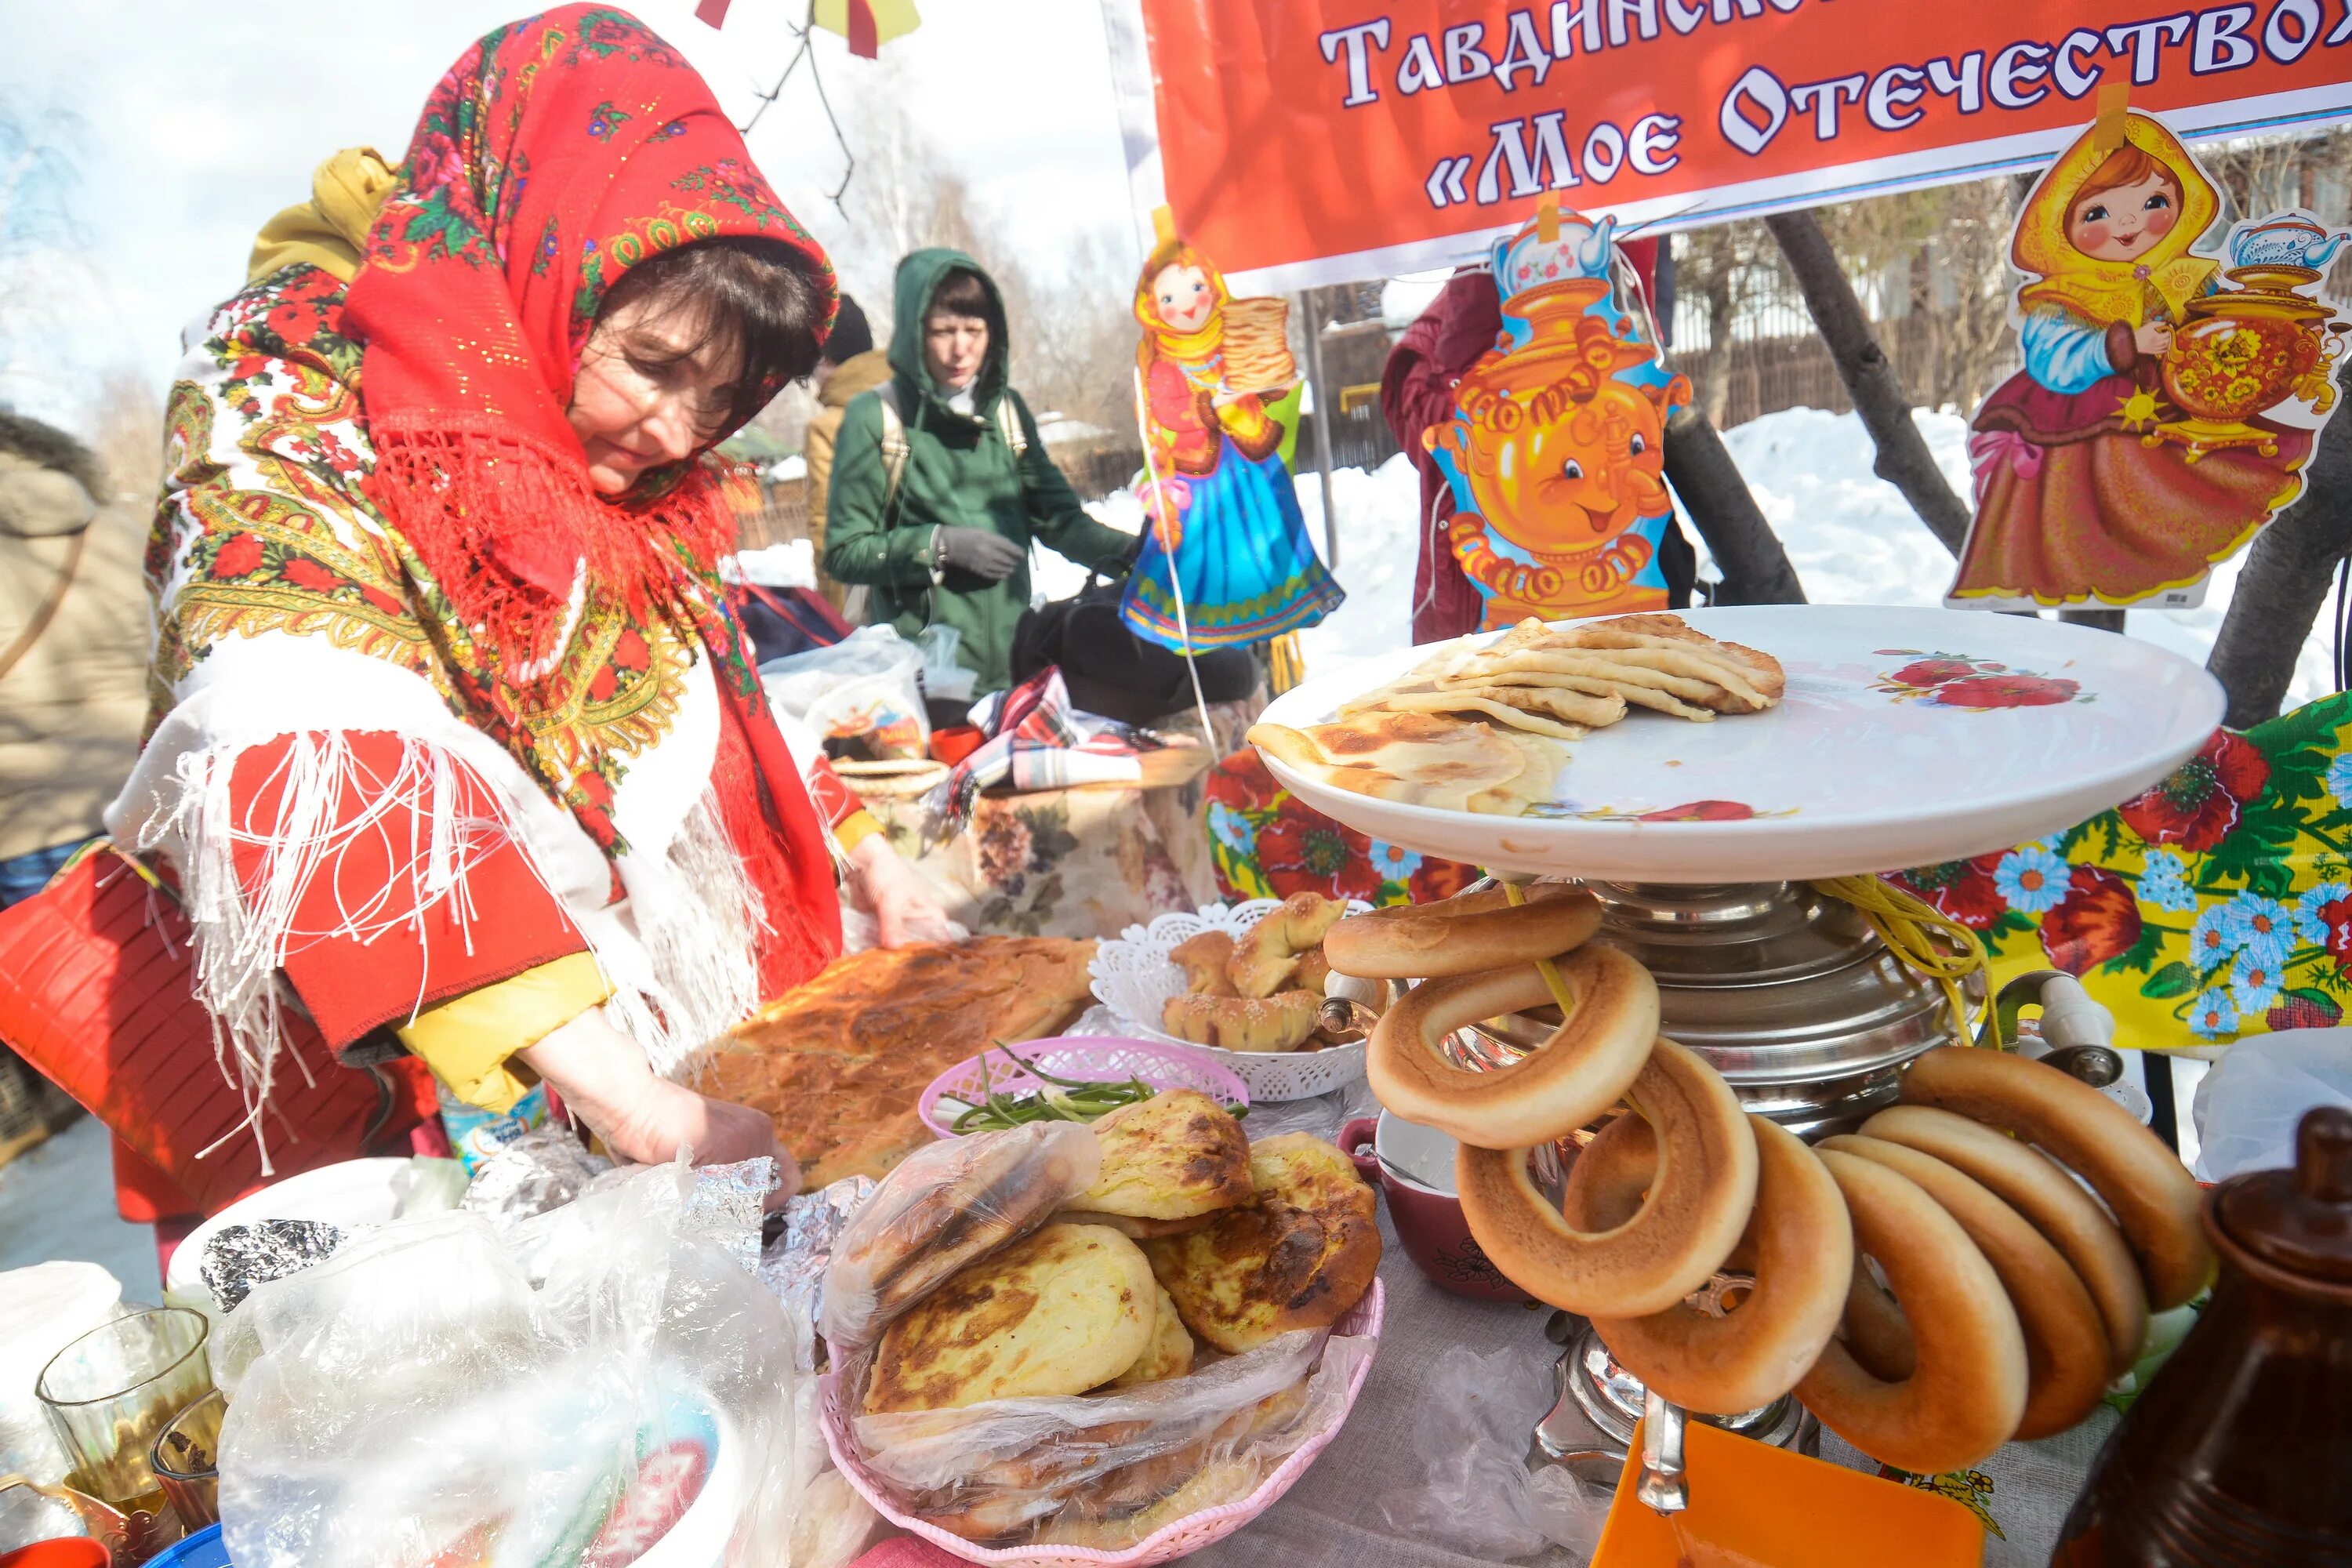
[{"x": 455, "y": 731}]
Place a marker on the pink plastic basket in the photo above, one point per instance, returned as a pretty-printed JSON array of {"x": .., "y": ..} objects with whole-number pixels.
[
  {"x": 1163, "y": 1545},
  {"x": 1089, "y": 1058}
]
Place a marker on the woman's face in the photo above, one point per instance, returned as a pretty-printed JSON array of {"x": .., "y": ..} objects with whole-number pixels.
[
  {"x": 953, "y": 348},
  {"x": 2124, "y": 224},
  {"x": 646, "y": 394},
  {"x": 1183, "y": 296}
]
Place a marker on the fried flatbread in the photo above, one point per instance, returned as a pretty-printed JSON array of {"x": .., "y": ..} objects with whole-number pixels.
[
  {"x": 1170, "y": 1354},
  {"x": 1298, "y": 1259},
  {"x": 838, "y": 1063},
  {"x": 1177, "y": 1155},
  {"x": 1057, "y": 1312}
]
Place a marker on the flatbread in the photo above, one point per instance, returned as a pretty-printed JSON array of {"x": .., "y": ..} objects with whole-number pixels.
[
  {"x": 1701, "y": 672},
  {"x": 1566, "y": 716},
  {"x": 1423, "y": 759},
  {"x": 839, "y": 1062}
]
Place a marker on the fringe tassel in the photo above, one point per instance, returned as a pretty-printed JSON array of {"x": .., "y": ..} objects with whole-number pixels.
[
  {"x": 241, "y": 936},
  {"x": 683, "y": 963},
  {"x": 516, "y": 536},
  {"x": 699, "y": 934}
]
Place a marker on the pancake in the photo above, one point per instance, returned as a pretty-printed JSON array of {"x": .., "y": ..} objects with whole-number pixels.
[
  {"x": 839, "y": 1062},
  {"x": 1423, "y": 759},
  {"x": 1170, "y": 1354},
  {"x": 1298, "y": 1258},
  {"x": 1176, "y": 1156},
  {"x": 1057, "y": 1312}
]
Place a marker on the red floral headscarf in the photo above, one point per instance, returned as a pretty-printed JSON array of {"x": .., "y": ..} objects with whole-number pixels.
[{"x": 558, "y": 152}]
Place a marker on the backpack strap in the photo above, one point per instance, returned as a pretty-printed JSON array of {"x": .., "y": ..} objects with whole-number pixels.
[{"x": 896, "y": 450}]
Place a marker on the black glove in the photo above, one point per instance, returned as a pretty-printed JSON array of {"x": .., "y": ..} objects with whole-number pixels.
[{"x": 986, "y": 554}]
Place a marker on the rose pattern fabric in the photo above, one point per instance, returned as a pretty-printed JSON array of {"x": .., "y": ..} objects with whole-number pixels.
[
  {"x": 2216, "y": 904},
  {"x": 1266, "y": 844}
]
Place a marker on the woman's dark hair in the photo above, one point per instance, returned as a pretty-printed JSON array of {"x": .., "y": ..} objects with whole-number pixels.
[
  {"x": 759, "y": 300},
  {"x": 851, "y": 334},
  {"x": 962, "y": 293}
]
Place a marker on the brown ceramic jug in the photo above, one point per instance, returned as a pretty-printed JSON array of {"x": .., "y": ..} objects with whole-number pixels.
[{"x": 2238, "y": 1454}]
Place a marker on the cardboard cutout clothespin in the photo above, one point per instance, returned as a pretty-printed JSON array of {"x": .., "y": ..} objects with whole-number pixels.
[
  {"x": 1548, "y": 218},
  {"x": 1163, "y": 225},
  {"x": 2115, "y": 104}
]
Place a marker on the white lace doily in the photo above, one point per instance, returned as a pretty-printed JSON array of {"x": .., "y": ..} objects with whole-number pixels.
[{"x": 1133, "y": 976}]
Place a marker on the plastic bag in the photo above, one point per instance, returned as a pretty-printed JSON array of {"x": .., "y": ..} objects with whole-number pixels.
[
  {"x": 1477, "y": 1495},
  {"x": 944, "y": 680},
  {"x": 947, "y": 1205},
  {"x": 603, "y": 1385},
  {"x": 2248, "y": 1105},
  {"x": 1107, "y": 1469},
  {"x": 863, "y": 695}
]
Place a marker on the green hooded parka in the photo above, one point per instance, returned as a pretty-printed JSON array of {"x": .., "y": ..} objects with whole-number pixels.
[{"x": 960, "y": 471}]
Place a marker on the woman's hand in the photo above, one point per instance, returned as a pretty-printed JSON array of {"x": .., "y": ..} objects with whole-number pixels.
[
  {"x": 606, "y": 1080},
  {"x": 2153, "y": 340},
  {"x": 901, "y": 903}
]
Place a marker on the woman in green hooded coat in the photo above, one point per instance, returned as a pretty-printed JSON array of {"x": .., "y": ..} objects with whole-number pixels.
[{"x": 945, "y": 541}]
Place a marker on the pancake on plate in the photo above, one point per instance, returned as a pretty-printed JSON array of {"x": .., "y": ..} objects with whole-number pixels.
[
  {"x": 1298, "y": 1259},
  {"x": 1058, "y": 1312},
  {"x": 1422, "y": 759},
  {"x": 1176, "y": 1157},
  {"x": 1657, "y": 660}
]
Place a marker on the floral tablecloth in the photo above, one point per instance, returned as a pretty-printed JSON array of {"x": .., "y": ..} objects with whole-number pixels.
[{"x": 2217, "y": 904}]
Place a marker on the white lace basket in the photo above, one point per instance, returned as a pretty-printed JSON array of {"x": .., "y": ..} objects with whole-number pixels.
[{"x": 1133, "y": 976}]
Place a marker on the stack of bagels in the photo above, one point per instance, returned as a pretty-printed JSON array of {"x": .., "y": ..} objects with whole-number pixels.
[{"x": 2012, "y": 1294}]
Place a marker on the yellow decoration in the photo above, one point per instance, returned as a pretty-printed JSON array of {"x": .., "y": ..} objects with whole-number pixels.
[
  {"x": 2139, "y": 409},
  {"x": 346, "y": 193},
  {"x": 892, "y": 18}
]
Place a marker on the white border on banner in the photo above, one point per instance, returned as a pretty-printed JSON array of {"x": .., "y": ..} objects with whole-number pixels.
[{"x": 1132, "y": 82}]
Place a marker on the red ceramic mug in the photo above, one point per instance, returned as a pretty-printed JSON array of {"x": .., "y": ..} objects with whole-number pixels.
[{"x": 1413, "y": 1165}]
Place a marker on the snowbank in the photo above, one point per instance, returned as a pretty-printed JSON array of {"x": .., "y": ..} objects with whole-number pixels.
[{"x": 1851, "y": 535}]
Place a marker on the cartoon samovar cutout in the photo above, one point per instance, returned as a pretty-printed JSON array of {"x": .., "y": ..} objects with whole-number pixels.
[{"x": 1556, "y": 454}]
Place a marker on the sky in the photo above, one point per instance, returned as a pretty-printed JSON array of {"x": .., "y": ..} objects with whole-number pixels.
[{"x": 194, "y": 134}]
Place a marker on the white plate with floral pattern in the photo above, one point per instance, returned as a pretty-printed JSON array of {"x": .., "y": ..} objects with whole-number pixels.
[
  {"x": 1907, "y": 737},
  {"x": 1133, "y": 976}
]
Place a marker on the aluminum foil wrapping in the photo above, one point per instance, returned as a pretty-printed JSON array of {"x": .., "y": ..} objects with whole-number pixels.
[
  {"x": 728, "y": 1206},
  {"x": 792, "y": 1266},
  {"x": 543, "y": 1169},
  {"x": 240, "y": 1256}
]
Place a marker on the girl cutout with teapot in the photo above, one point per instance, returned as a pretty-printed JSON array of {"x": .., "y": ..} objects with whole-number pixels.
[{"x": 2134, "y": 449}]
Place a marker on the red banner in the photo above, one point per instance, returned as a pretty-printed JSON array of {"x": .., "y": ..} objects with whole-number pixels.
[{"x": 1312, "y": 141}]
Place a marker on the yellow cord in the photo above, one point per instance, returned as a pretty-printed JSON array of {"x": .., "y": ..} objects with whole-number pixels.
[
  {"x": 1544, "y": 966},
  {"x": 1909, "y": 926}
]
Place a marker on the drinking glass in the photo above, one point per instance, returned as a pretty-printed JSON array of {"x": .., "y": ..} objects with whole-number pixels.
[{"x": 110, "y": 1394}]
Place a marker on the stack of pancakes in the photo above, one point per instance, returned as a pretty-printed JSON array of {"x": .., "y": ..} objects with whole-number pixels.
[
  {"x": 1474, "y": 730},
  {"x": 1189, "y": 1237}
]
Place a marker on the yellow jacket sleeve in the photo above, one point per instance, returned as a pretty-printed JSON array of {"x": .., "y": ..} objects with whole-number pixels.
[{"x": 468, "y": 1040}]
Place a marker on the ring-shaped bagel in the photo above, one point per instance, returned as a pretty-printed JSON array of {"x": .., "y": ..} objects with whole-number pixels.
[
  {"x": 2154, "y": 1197},
  {"x": 1963, "y": 1399},
  {"x": 2066, "y": 1350},
  {"x": 1580, "y": 1071},
  {"x": 1800, "y": 1246},
  {"x": 1873, "y": 1330},
  {"x": 2036, "y": 1187},
  {"x": 1698, "y": 1204},
  {"x": 1464, "y": 934}
]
